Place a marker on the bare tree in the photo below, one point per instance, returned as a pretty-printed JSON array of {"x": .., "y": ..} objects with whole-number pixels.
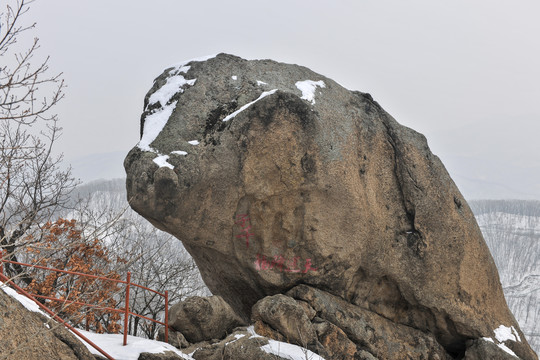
[
  {"x": 32, "y": 184},
  {"x": 163, "y": 265},
  {"x": 155, "y": 259},
  {"x": 35, "y": 189}
]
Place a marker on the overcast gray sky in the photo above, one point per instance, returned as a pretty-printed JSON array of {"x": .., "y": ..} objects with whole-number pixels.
[{"x": 464, "y": 73}]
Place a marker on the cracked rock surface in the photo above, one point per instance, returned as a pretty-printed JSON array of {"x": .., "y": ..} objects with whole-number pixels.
[{"x": 274, "y": 176}]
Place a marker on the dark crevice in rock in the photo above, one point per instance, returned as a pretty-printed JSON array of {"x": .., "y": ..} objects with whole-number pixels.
[
  {"x": 398, "y": 173},
  {"x": 214, "y": 122}
]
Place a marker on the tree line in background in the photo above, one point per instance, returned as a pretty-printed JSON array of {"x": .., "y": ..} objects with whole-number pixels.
[
  {"x": 45, "y": 219},
  {"x": 516, "y": 207}
]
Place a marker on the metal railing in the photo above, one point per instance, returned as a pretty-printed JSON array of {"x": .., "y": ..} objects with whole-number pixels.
[{"x": 124, "y": 310}]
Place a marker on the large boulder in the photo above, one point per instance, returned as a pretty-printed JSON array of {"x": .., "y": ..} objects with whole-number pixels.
[{"x": 273, "y": 176}]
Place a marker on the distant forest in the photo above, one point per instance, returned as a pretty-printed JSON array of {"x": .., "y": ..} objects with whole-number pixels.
[{"x": 516, "y": 207}]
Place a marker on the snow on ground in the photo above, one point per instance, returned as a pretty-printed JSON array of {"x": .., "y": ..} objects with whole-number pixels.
[
  {"x": 307, "y": 87},
  {"x": 112, "y": 345},
  {"x": 285, "y": 350},
  {"x": 263, "y": 95}
]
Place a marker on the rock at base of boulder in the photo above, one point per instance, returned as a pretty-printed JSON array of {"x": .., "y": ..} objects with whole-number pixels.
[
  {"x": 167, "y": 355},
  {"x": 335, "y": 342},
  {"x": 366, "y": 330},
  {"x": 285, "y": 315},
  {"x": 203, "y": 318},
  {"x": 176, "y": 338}
]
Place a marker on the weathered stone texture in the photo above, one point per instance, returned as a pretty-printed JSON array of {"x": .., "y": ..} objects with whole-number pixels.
[{"x": 27, "y": 335}]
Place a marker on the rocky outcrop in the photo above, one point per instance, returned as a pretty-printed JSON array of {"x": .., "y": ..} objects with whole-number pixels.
[
  {"x": 275, "y": 176},
  {"x": 27, "y": 335},
  {"x": 339, "y": 325}
]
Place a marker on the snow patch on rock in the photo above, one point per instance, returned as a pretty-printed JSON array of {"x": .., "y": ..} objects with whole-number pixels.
[
  {"x": 161, "y": 161},
  {"x": 153, "y": 125},
  {"x": 263, "y": 95},
  {"x": 308, "y": 87},
  {"x": 504, "y": 333},
  {"x": 26, "y": 302},
  {"x": 174, "y": 85},
  {"x": 179, "y": 152}
]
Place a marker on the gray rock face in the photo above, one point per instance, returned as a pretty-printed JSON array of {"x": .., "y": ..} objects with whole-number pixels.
[{"x": 296, "y": 180}]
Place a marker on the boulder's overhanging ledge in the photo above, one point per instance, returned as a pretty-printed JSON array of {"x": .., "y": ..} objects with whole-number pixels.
[{"x": 275, "y": 176}]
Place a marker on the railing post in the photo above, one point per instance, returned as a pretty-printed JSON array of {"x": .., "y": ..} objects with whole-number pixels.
[
  {"x": 166, "y": 316},
  {"x": 126, "y": 316}
]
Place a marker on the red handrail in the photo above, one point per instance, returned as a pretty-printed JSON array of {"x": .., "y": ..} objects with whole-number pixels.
[
  {"x": 5, "y": 279},
  {"x": 126, "y": 316},
  {"x": 125, "y": 310},
  {"x": 78, "y": 303}
]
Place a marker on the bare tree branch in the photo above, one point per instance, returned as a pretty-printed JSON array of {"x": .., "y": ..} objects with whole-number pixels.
[{"x": 33, "y": 186}]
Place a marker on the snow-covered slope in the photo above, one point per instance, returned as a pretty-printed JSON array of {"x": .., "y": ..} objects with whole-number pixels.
[{"x": 512, "y": 232}]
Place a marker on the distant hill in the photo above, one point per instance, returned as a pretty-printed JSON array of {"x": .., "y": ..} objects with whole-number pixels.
[
  {"x": 98, "y": 166},
  {"x": 511, "y": 229}
]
